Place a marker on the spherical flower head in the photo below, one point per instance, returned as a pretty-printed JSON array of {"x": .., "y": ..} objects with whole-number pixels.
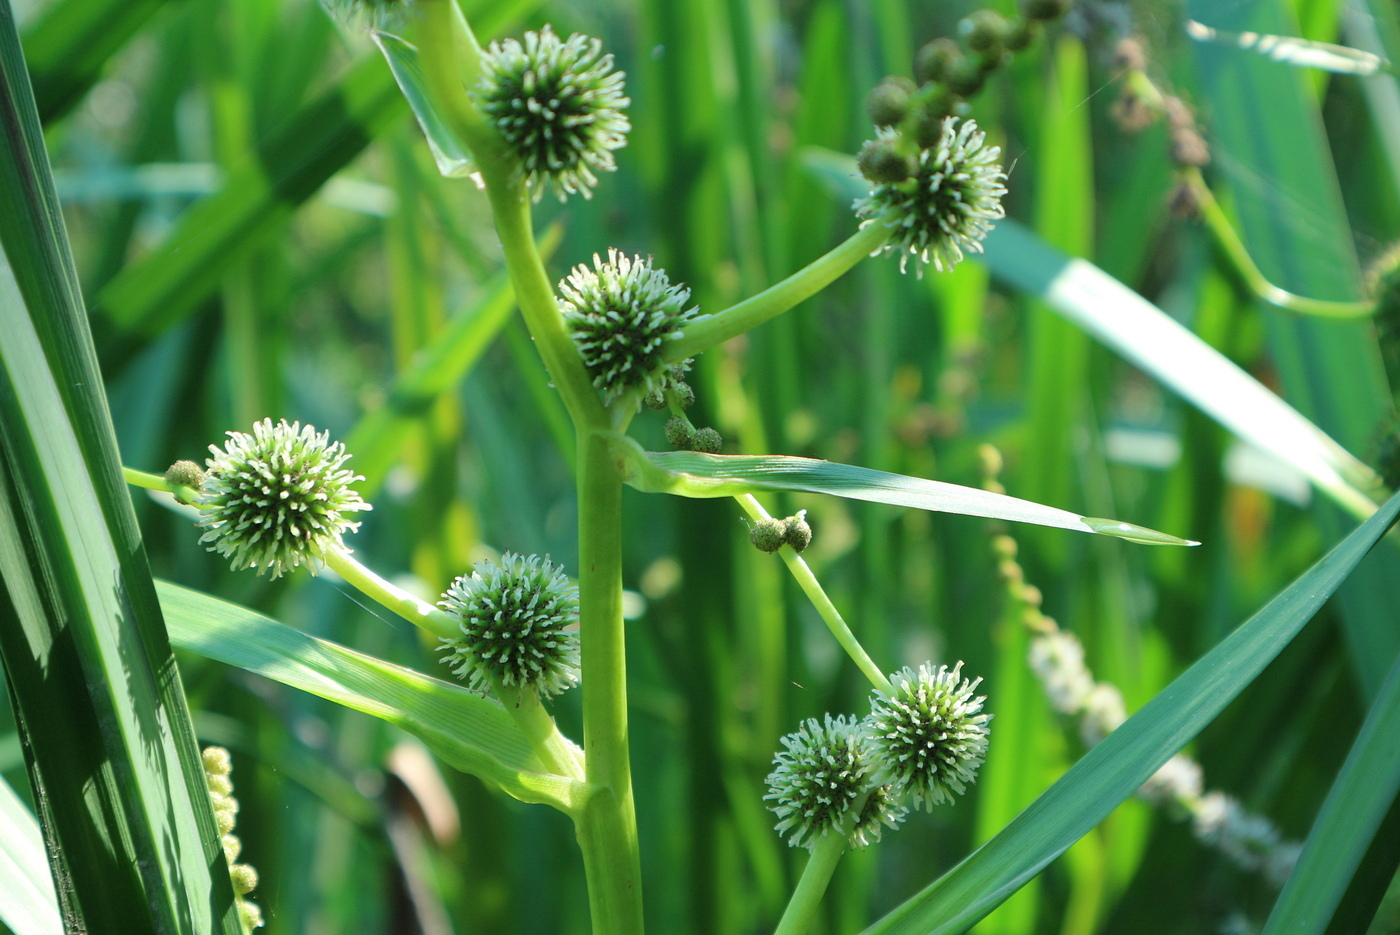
[
  {"x": 817, "y": 778},
  {"x": 946, "y": 207},
  {"x": 278, "y": 498},
  {"x": 514, "y": 618},
  {"x": 559, "y": 105},
  {"x": 882, "y": 810},
  {"x": 927, "y": 737},
  {"x": 621, "y": 313}
]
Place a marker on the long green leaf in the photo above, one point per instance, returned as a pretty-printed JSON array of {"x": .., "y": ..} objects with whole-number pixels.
[
  {"x": 1365, "y": 789},
  {"x": 471, "y": 732},
  {"x": 98, "y": 700},
  {"x": 449, "y": 152},
  {"x": 692, "y": 474},
  {"x": 1114, "y": 769},
  {"x": 30, "y": 906}
]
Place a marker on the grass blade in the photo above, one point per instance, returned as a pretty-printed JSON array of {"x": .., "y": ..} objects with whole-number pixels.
[
  {"x": 30, "y": 906},
  {"x": 1114, "y": 769},
  {"x": 97, "y": 698},
  {"x": 450, "y": 153}
]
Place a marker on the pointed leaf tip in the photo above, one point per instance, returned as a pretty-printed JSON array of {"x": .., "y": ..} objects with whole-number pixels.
[{"x": 1131, "y": 532}]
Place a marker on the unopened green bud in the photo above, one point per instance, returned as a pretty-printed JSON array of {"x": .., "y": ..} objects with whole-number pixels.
[
  {"x": 889, "y": 101},
  {"x": 936, "y": 59},
  {"x": 226, "y": 815},
  {"x": 245, "y": 878},
  {"x": 796, "y": 532},
  {"x": 217, "y": 761},
  {"x": 1019, "y": 33},
  {"x": 881, "y": 162},
  {"x": 232, "y": 847},
  {"x": 965, "y": 78},
  {"x": 219, "y": 785},
  {"x": 656, "y": 399},
  {"x": 679, "y": 433},
  {"x": 768, "y": 535},
  {"x": 984, "y": 30},
  {"x": 707, "y": 440},
  {"x": 185, "y": 473},
  {"x": 1046, "y": 10},
  {"x": 685, "y": 395}
]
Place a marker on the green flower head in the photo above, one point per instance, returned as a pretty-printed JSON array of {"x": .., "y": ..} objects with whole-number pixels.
[
  {"x": 620, "y": 314},
  {"x": 278, "y": 498},
  {"x": 817, "y": 779},
  {"x": 927, "y": 738},
  {"x": 514, "y": 618},
  {"x": 946, "y": 206},
  {"x": 559, "y": 105}
]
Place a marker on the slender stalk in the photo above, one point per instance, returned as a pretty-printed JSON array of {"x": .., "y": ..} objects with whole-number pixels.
[
  {"x": 806, "y": 899},
  {"x": 554, "y": 749},
  {"x": 417, "y": 612},
  {"x": 607, "y": 829},
  {"x": 817, "y": 595},
  {"x": 779, "y": 297},
  {"x": 1229, "y": 241}
]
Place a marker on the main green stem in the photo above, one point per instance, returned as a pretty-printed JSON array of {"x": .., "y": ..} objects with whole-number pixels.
[{"x": 607, "y": 828}]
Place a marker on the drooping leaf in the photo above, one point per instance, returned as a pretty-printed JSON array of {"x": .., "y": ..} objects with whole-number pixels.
[
  {"x": 449, "y": 152},
  {"x": 471, "y": 732},
  {"x": 693, "y": 474}
]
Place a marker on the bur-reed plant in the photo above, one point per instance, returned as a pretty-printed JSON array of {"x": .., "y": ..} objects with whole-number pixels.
[{"x": 548, "y": 115}]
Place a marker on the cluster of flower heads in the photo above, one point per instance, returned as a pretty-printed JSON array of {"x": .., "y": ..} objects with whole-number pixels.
[
  {"x": 923, "y": 741},
  {"x": 516, "y": 618},
  {"x": 559, "y": 105},
  {"x": 770, "y": 534},
  {"x": 937, "y": 203},
  {"x": 620, "y": 314},
  {"x": 275, "y": 499},
  {"x": 218, "y": 771}
]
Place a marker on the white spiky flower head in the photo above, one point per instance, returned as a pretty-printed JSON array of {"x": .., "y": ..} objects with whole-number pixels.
[
  {"x": 946, "y": 207},
  {"x": 559, "y": 105},
  {"x": 515, "y": 618},
  {"x": 620, "y": 314},
  {"x": 822, "y": 771},
  {"x": 278, "y": 498},
  {"x": 927, "y": 737}
]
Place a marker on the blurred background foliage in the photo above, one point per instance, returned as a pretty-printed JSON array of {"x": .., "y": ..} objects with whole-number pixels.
[{"x": 260, "y": 231}]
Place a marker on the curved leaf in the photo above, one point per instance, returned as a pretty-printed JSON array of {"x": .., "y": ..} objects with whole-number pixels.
[
  {"x": 469, "y": 731},
  {"x": 693, "y": 474},
  {"x": 1114, "y": 769},
  {"x": 449, "y": 152}
]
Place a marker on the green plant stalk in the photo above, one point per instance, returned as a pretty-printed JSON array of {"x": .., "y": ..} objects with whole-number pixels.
[
  {"x": 806, "y": 899},
  {"x": 607, "y": 829},
  {"x": 817, "y": 595},
  {"x": 1234, "y": 248},
  {"x": 779, "y": 297},
  {"x": 417, "y": 612},
  {"x": 607, "y": 826},
  {"x": 555, "y": 750}
]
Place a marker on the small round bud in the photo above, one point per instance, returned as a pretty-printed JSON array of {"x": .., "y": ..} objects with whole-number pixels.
[
  {"x": 707, "y": 440},
  {"x": 768, "y": 535},
  {"x": 947, "y": 206},
  {"x": 938, "y": 104},
  {"x": 888, "y": 101},
  {"x": 244, "y": 877},
  {"x": 219, "y": 785},
  {"x": 966, "y": 78},
  {"x": 226, "y": 815},
  {"x": 1189, "y": 148},
  {"x": 936, "y": 59},
  {"x": 1128, "y": 55},
  {"x": 656, "y": 399},
  {"x": 927, "y": 738},
  {"x": 217, "y": 761},
  {"x": 251, "y": 915},
  {"x": 516, "y": 620},
  {"x": 185, "y": 473},
  {"x": 1020, "y": 32},
  {"x": 796, "y": 532},
  {"x": 559, "y": 105},
  {"x": 1046, "y": 10},
  {"x": 278, "y": 498},
  {"x": 620, "y": 314},
  {"x": 679, "y": 433},
  {"x": 816, "y": 779},
  {"x": 232, "y": 847},
  {"x": 685, "y": 395},
  {"x": 881, "y": 162},
  {"x": 984, "y": 30}
]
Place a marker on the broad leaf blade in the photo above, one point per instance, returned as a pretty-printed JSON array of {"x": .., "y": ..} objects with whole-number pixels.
[
  {"x": 30, "y": 906},
  {"x": 97, "y": 698},
  {"x": 692, "y": 474},
  {"x": 1114, "y": 769},
  {"x": 468, "y": 730}
]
